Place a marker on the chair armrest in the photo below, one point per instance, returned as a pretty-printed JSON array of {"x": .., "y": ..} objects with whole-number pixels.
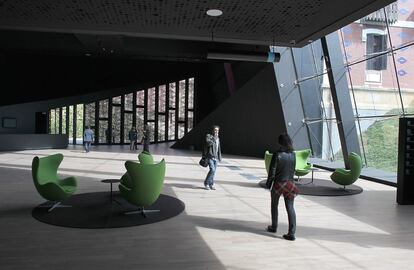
[
  {"x": 53, "y": 192},
  {"x": 69, "y": 181},
  {"x": 124, "y": 188},
  {"x": 342, "y": 171}
]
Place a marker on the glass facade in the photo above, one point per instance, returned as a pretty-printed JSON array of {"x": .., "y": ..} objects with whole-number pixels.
[
  {"x": 167, "y": 109},
  {"x": 379, "y": 56}
]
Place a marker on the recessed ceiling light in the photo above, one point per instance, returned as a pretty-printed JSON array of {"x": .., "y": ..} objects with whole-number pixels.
[
  {"x": 214, "y": 12},
  {"x": 88, "y": 54}
]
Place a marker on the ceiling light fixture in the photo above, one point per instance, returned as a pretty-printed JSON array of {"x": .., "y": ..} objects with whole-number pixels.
[
  {"x": 214, "y": 12},
  {"x": 270, "y": 57}
]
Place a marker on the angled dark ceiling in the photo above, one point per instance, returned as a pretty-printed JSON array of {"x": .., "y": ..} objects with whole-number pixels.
[
  {"x": 257, "y": 22},
  {"x": 71, "y": 45}
]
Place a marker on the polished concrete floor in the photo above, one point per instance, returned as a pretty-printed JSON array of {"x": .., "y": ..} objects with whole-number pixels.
[{"x": 221, "y": 229}]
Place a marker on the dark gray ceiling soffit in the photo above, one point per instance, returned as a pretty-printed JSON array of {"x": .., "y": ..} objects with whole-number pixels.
[{"x": 259, "y": 22}]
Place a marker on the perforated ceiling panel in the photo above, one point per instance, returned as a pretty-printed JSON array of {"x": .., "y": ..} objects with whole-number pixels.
[{"x": 258, "y": 21}]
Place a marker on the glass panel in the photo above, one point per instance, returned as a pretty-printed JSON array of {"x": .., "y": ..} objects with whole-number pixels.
[
  {"x": 181, "y": 104},
  {"x": 90, "y": 114},
  {"x": 63, "y": 120},
  {"x": 129, "y": 102},
  {"x": 376, "y": 91},
  {"x": 191, "y": 93},
  {"x": 161, "y": 128},
  {"x": 151, "y": 104},
  {"x": 358, "y": 40},
  {"x": 140, "y": 121},
  {"x": 171, "y": 125},
  {"x": 161, "y": 98},
  {"x": 172, "y": 94},
  {"x": 151, "y": 126},
  {"x": 331, "y": 145},
  {"x": 402, "y": 32},
  {"x": 190, "y": 120},
  {"x": 405, "y": 69},
  {"x": 140, "y": 98},
  {"x": 116, "y": 100},
  {"x": 181, "y": 128},
  {"x": 70, "y": 131},
  {"x": 104, "y": 132},
  {"x": 103, "y": 108},
  {"x": 79, "y": 124},
  {"x": 116, "y": 124},
  {"x": 127, "y": 125},
  {"x": 52, "y": 121},
  {"x": 380, "y": 137},
  {"x": 57, "y": 119}
]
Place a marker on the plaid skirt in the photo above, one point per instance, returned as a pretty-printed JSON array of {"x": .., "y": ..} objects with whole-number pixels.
[{"x": 286, "y": 188}]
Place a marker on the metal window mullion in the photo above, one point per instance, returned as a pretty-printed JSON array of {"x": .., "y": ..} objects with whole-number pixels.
[
  {"x": 134, "y": 108},
  {"x": 110, "y": 120},
  {"x": 75, "y": 112},
  {"x": 157, "y": 88},
  {"x": 395, "y": 65},
  {"x": 167, "y": 112},
  {"x": 177, "y": 106},
  {"x": 186, "y": 107},
  {"x": 121, "y": 131},
  {"x": 97, "y": 122}
]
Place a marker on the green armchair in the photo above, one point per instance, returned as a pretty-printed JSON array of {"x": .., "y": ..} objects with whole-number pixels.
[
  {"x": 302, "y": 167},
  {"x": 345, "y": 177},
  {"x": 48, "y": 184},
  {"x": 141, "y": 185}
]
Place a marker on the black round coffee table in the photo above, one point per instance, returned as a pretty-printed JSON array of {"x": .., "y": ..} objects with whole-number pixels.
[{"x": 111, "y": 181}]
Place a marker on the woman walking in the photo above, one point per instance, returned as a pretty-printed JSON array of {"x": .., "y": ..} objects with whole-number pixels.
[{"x": 280, "y": 182}]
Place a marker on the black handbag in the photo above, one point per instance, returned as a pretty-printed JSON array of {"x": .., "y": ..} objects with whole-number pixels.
[{"x": 203, "y": 162}]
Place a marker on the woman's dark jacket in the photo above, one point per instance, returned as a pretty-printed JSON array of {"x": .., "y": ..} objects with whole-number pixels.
[{"x": 282, "y": 167}]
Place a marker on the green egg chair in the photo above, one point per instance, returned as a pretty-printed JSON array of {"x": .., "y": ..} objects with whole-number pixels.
[
  {"x": 145, "y": 158},
  {"x": 267, "y": 158},
  {"x": 141, "y": 185},
  {"x": 303, "y": 167},
  {"x": 48, "y": 184},
  {"x": 346, "y": 177}
]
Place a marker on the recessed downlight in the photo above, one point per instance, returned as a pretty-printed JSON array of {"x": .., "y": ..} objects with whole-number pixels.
[{"x": 214, "y": 12}]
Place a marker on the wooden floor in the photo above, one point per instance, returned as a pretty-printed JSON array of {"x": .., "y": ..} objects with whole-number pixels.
[{"x": 221, "y": 229}]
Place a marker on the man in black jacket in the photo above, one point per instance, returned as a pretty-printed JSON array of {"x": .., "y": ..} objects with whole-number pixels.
[{"x": 212, "y": 151}]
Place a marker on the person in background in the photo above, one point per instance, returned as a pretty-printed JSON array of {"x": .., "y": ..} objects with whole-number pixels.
[
  {"x": 212, "y": 151},
  {"x": 146, "y": 137},
  {"x": 280, "y": 182},
  {"x": 132, "y": 136},
  {"x": 88, "y": 138}
]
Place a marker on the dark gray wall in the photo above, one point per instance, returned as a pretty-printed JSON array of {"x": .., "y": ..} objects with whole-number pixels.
[
  {"x": 14, "y": 142},
  {"x": 212, "y": 87},
  {"x": 250, "y": 120}
]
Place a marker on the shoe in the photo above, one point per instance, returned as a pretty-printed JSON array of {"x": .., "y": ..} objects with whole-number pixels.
[
  {"x": 212, "y": 188},
  {"x": 289, "y": 237},
  {"x": 271, "y": 229},
  {"x": 206, "y": 188}
]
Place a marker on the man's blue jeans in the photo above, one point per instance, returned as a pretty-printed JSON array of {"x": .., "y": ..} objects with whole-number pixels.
[
  {"x": 87, "y": 146},
  {"x": 212, "y": 163}
]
